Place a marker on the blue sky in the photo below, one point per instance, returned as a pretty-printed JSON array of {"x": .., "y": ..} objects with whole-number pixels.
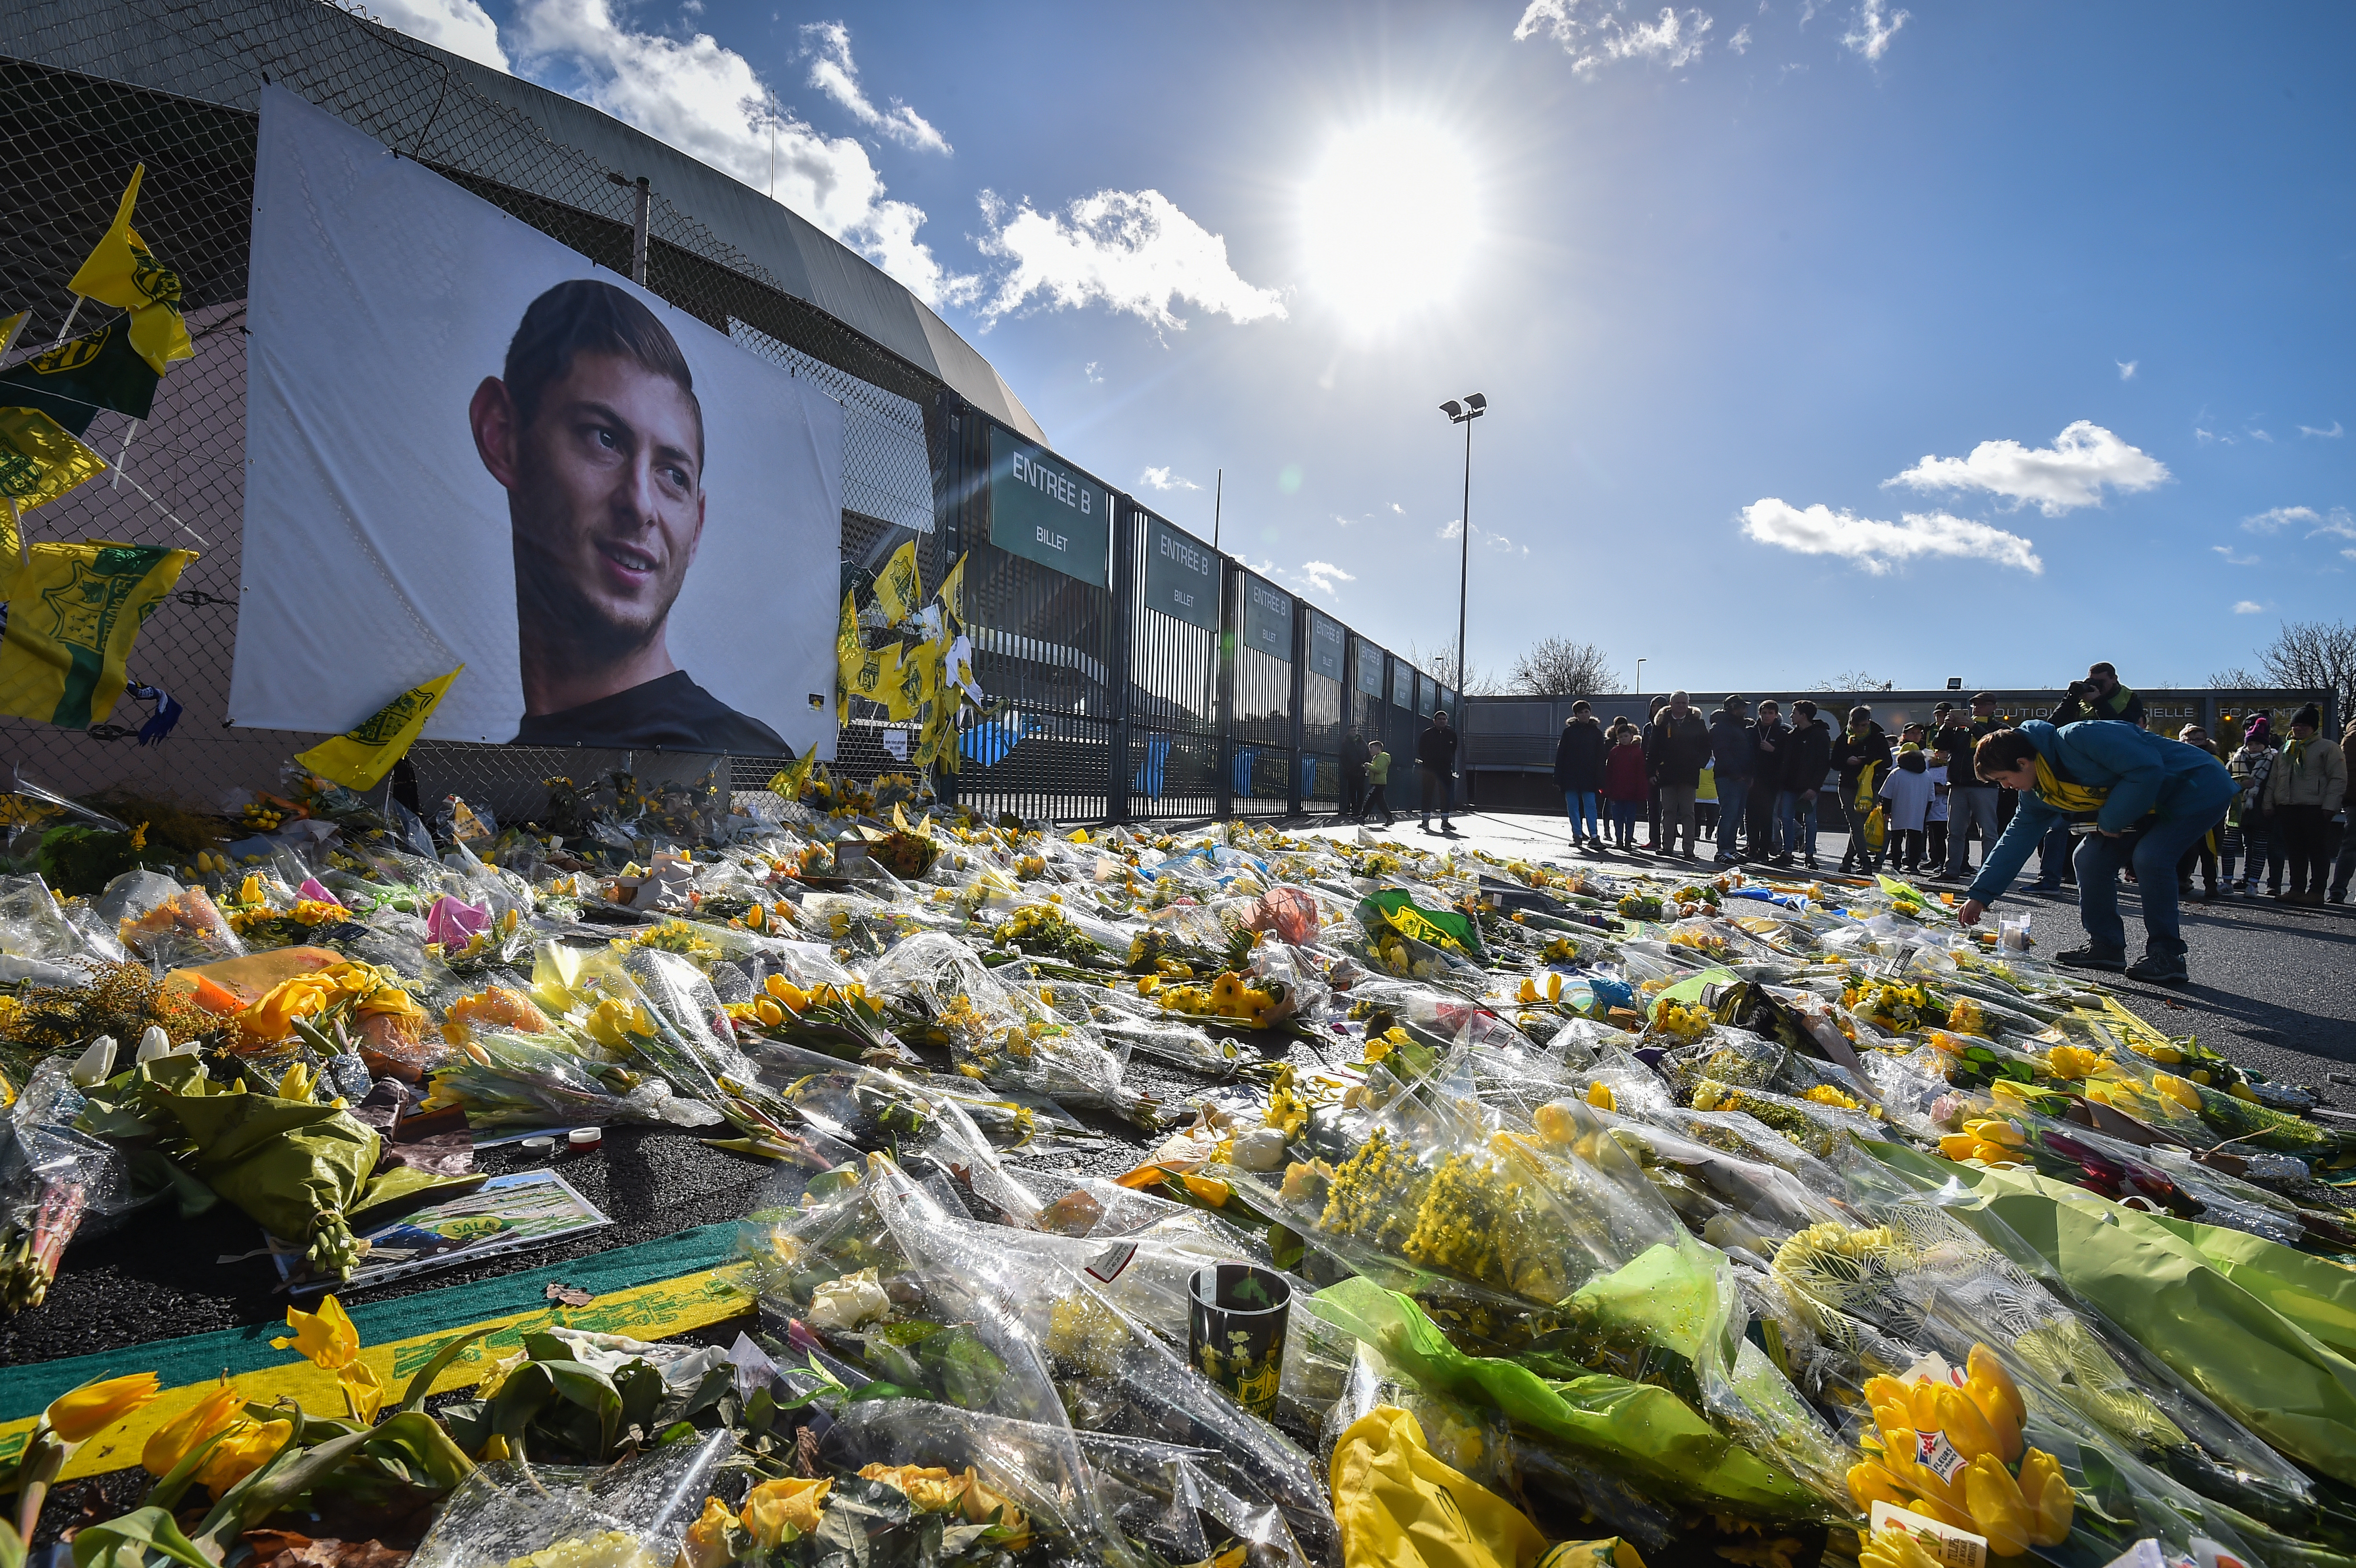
[{"x": 1975, "y": 340}]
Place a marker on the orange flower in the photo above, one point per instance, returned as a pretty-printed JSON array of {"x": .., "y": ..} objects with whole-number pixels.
[{"x": 774, "y": 1507}]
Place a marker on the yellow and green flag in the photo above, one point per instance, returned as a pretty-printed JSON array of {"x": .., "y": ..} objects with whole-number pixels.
[
  {"x": 39, "y": 461},
  {"x": 73, "y": 615},
  {"x": 358, "y": 759},
  {"x": 953, "y": 592},
  {"x": 120, "y": 271},
  {"x": 73, "y": 380},
  {"x": 897, "y": 590}
]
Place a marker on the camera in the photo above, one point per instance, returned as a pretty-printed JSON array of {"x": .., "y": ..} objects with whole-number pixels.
[{"x": 2080, "y": 689}]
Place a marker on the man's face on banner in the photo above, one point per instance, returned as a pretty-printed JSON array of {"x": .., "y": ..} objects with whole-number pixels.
[{"x": 607, "y": 501}]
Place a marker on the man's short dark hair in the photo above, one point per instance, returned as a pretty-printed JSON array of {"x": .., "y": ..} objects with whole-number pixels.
[
  {"x": 2104, "y": 667},
  {"x": 587, "y": 316},
  {"x": 2001, "y": 751},
  {"x": 1860, "y": 712},
  {"x": 1805, "y": 707},
  {"x": 1980, "y": 697},
  {"x": 1581, "y": 705}
]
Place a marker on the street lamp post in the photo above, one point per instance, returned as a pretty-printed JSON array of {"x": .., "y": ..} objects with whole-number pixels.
[
  {"x": 1640, "y": 678},
  {"x": 1464, "y": 413}
]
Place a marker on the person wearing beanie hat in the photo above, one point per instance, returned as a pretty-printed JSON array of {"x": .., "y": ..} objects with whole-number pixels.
[
  {"x": 2307, "y": 784},
  {"x": 2250, "y": 836}
]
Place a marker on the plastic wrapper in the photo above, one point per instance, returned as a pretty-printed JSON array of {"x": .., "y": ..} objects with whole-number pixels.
[
  {"x": 507, "y": 1080},
  {"x": 633, "y": 1515}
]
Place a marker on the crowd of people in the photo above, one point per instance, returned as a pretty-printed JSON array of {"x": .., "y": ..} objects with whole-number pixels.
[{"x": 2091, "y": 794}]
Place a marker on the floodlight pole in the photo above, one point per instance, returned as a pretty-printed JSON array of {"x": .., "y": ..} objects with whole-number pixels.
[{"x": 1471, "y": 409}]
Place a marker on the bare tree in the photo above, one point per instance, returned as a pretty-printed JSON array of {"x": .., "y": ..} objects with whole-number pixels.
[
  {"x": 1556, "y": 667},
  {"x": 1441, "y": 667},
  {"x": 2306, "y": 655},
  {"x": 1856, "y": 680}
]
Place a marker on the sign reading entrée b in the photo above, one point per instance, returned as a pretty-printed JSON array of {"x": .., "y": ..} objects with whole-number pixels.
[
  {"x": 1182, "y": 575},
  {"x": 1043, "y": 511}
]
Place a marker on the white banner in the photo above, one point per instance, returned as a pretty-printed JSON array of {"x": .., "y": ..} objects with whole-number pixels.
[{"x": 466, "y": 444}]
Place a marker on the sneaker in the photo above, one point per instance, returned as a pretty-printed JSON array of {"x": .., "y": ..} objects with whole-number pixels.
[
  {"x": 2045, "y": 887},
  {"x": 2092, "y": 958},
  {"x": 1783, "y": 860},
  {"x": 2155, "y": 970},
  {"x": 1810, "y": 862}
]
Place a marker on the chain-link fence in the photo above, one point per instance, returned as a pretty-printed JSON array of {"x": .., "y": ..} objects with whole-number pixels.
[{"x": 1102, "y": 709}]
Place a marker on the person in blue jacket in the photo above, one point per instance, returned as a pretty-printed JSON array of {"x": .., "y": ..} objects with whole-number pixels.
[{"x": 2135, "y": 798}]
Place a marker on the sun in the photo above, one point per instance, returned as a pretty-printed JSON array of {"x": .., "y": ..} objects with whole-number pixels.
[{"x": 1388, "y": 220}]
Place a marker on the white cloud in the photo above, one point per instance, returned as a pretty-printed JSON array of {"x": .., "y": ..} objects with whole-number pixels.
[
  {"x": 2126, "y": 368},
  {"x": 1131, "y": 250},
  {"x": 1592, "y": 36},
  {"x": 1090, "y": 370},
  {"x": 1874, "y": 545},
  {"x": 1740, "y": 42},
  {"x": 2206, "y": 436},
  {"x": 832, "y": 72},
  {"x": 1454, "y": 529},
  {"x": 2248, "y": 607},
  {"x": 2262, "y": 436},
  {"x": 1872, "y": 32},
  {"x": 1399, "y": 509},
  {"x": 1163, "y": 479},
  {"x": 461, "y": 27},
  {"x": 2068, "y": 475},
  {"x": 708, "y": 102},
  {"x": 2338, "y": 523},
  {"x": 1324, "y": 577},
  {"x": 2280, "y": 519},
  {"x": 2334, "y": 433},
  {"x": 2231, "y": 558}
]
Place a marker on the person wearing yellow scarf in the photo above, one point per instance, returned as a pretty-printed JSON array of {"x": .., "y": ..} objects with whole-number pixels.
[{"x": 2132, "y": 798}]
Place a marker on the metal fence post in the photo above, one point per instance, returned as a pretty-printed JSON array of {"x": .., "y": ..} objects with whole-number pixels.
[
  {"x": 1293, "y": 795},
  {"x": 1230, "y": 617},
  {"x": 645, "y": 202},
  {"x": 1117, "y": 672}
]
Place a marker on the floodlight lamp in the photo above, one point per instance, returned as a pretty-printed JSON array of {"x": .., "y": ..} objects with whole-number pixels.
[
  {"x": 1452, "y": 409},
  {"x": 1477, "y": 403}
]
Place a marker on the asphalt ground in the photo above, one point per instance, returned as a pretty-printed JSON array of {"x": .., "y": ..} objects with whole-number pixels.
[{"x": 2271, "y": 989}]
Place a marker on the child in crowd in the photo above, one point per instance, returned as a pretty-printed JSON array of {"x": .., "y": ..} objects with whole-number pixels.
[
  {"x": 1911, "y": 787},
  {"x": 1378, "y": 778},
  {"x": 1706, "y": 802},
  {"x": 1624, "y": 784}
]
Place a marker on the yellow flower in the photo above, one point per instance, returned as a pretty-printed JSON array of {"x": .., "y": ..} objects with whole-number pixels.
[
  {"x": 249, "y": 1445},
  {"x": 773, "y": 1508},
  {"x": 2048, "y": 1496},
  {"x": 177, "y": 1440},
  {"x": 706, "y": 1545},
  {"x": 81, "y": 1413},
  {"x": 981, "y": 1502},
  {"x": 928, "y": 1488},
  {"x": 363, "y": 1390},
  {"x": 1997, "y": 1505},
  {"x": 325, "y": 1338}
]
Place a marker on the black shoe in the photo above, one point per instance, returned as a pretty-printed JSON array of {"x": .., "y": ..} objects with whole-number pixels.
[
  {"x": 2092, "y": 958},
  {"x": 1812, "y": 862},
  {"x": 2154, "y": 970}
]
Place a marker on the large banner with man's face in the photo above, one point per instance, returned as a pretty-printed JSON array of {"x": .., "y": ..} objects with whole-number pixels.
[{"x": 466, "y": 444}]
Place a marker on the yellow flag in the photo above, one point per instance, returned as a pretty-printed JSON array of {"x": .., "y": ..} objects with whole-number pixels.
[
  {"x": 358, "y": 759},
  {"x": 897, "y": 589},
  {"x": 953, "y": 592},
  {"x": 847, "y": 652},
  {"x": 39, "y": 461},
  {"x": 787, "y": 781},
  {"x": 73, "y": 615},
  {"x": 120, "y": 271},
  {"x": 10, "y": 326},
  {"x": 877, "y": 676}
]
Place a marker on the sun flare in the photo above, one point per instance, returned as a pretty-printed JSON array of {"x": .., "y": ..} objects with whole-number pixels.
[{"x": 1389, "y": 219}]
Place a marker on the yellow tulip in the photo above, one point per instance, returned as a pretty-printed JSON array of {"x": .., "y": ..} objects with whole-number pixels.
[
  {"x": 363, "y": 1390},
  {"x": 769, "y": 1013},
  {"x": 1958, "y": 1145},
  {"x": 1554, "y": 988},
  {"x": 175, "y": 1441},
  {"x": 81, "y": 1413},
  {"x": 2050, "y": 1499},
  {"x": 1961, "y": 1420},
  {"x": 249, "y": 890},
  {"x": 1992, "y": 1389},
  {"x": 325, "y": 1338},
  {"x": 1870, "y": 1483},
  {"x": 1894, "y": 1548},
  {"x": 1947, "y": 1514},
  {"x": 774, "y": 1507},
  {"x": 1599, "y": 1095},
  {"x": 249, "y": 1445},
  {"x": 928, "y": 1488},
  {"x": 1997, "y": 1505},
  {"x": 296, "y": 1085}
]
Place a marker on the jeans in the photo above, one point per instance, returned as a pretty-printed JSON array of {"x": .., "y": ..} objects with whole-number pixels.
[
  {"x": 1797, "y": 819},
  {"x": 2246, "y": 839},
  {"x": 1967, "y": 804},
  {"x": 1354, "y": 792},
  {"x": 1438, "y": 792},
  {"x": 1733, "y": 794},
  {"x": 1624, "y": 819},
  {"x": 1676, "y": 816},
  {"x": 1378, "y": 799},
  {"x": 2344, "y": 866},
  {"x": 2053, "y": 856},
  {"x": 1765, "y": 818},
  {"x": 1580, "y": 805},
  {"x": 2153, "y": 853},
  {"x": 2203, "y": 855}
]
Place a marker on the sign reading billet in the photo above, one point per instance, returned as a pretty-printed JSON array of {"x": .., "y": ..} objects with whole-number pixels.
[
  {"x": 1182, "y": 575},
  {"x": 1043, "y": 511},
  {"x": 1325, "y": 644},
  {"x": 1268, "y": 619},
  {"x": 1370, "y": 670}
]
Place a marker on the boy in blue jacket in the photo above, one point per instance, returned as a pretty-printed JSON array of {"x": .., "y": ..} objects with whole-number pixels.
[{"x": 2134, "y": 798}]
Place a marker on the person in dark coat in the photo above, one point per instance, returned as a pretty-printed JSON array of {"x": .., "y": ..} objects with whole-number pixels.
[
  {"x": 1768, "y": 740},
  {"x": 1651, "y": 777},
  {"x": 1353, "y": 776},
  {"x": 1862, "y": 755},
  {"x": 1435, "y": 756},
  {"x": 1625, "y": 786},
  {"x": 1676, "y": 749},
  {"x": 1807, "y": 758},
  {"x": 1578, "y": 772},
  {"x": 1733, "y": 756}
]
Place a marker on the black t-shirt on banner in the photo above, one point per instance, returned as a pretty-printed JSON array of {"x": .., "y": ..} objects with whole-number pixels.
[{"x": 671, "y": 711}]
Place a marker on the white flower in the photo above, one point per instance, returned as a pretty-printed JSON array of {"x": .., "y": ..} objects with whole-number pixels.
[
  {"x": 153, "y": 1043},
  {"x": 848, "y": 1302},
  {"x": 96, "y": 1065}
]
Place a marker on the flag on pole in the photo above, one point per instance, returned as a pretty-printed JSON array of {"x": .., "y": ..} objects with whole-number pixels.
[
  {"x": 359, "y": 758},
  {"x": 121, "y": 272},
  {"x": 73, "y": 615},
  {"x": 39, "y": 461},
  {"x": 10, "y": 326},
  {"x": 897, "y": 589},
  {"x": 953, "y": 592},
  {"x": 72, "y": 382}
]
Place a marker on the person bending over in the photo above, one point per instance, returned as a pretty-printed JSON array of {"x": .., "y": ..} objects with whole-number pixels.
[{"x": 2132, "y": 798}]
